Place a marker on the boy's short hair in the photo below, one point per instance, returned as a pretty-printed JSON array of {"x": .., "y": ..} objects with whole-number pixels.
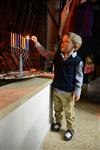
[{"x": 76, "y": 39}]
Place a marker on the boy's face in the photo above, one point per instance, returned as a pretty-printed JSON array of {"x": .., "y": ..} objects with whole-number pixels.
[{"x": 66, "y": 45}]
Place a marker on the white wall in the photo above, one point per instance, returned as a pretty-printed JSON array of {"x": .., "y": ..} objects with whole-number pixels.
[{"x": 26, "y": 127}]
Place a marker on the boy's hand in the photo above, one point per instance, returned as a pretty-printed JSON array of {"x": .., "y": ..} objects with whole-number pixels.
[
  {"x": 76, "y": 97},
  {"x": 34, "y": 39}
]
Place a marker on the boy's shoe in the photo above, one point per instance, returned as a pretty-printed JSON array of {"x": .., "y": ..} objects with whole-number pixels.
[
  {"x": 69, "y": 134},
  {"x": 55, "y": 127}
]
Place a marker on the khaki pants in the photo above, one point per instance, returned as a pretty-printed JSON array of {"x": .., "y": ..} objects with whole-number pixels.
[{"x": 63, "y": 102}]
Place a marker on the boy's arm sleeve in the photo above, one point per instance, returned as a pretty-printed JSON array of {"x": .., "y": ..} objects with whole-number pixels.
[
  {"x": 42, "y": 51},
  {"x": 79, "y": 79}
]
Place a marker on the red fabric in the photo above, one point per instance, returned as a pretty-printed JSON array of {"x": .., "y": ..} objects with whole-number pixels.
[
  {"x": 64, "y": 15},
  {"x": 70, "y": 20}
]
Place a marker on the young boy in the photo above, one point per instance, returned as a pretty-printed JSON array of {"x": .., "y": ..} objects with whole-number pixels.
[{"x": 67, "y": 82}]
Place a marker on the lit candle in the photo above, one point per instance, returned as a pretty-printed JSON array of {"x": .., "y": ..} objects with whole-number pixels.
[{"x": 27, "y": 42}]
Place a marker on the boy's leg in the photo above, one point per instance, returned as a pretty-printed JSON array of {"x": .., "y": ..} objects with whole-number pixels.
[
  {"x": 58, "y": 108},
  {"x": 68, "y": 104},
  {"x": 69, "y": 110},
  {"x": 58, "y": 111}
]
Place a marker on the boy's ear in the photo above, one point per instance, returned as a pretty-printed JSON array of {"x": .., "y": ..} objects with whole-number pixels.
[{"x": 77, "y": 46}]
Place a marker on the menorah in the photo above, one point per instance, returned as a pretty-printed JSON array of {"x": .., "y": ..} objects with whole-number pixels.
[{"x": 20, "y": 48}]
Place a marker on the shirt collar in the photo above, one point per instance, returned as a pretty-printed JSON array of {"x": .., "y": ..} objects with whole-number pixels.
[{"x": 73, "y": 54}]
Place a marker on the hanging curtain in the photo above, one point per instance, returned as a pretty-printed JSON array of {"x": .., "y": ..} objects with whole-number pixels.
[
  {"x": 84, "y": 20},
  {"x": 64, "y": 15},
  {"x": 70, "y": 21},
  {"x": 68, "y": 17}
]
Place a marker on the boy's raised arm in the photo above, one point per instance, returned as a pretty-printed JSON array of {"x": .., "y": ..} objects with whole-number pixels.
[{"x": 42, "y": 51}]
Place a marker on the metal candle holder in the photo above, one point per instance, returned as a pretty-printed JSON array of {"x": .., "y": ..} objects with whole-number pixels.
[{"x": 20, "y": 48}]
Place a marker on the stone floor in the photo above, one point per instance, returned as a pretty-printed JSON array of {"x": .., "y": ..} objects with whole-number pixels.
[{"x": 87, "y": 132}]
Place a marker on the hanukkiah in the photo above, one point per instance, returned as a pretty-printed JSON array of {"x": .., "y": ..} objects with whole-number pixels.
[{"x": 20, "y": 48}]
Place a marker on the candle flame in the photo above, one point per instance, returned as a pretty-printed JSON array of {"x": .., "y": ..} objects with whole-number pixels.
[{"x": 28, "y": 37}]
